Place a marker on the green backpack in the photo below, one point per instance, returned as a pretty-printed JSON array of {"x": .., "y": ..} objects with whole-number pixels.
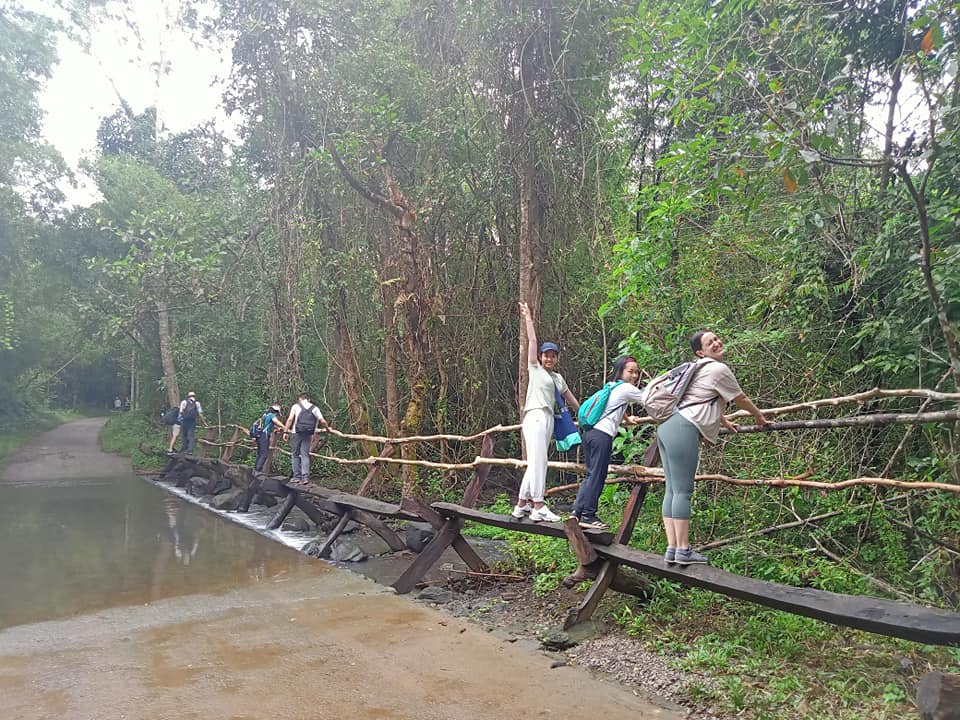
[{"x": 594, "y": 408}]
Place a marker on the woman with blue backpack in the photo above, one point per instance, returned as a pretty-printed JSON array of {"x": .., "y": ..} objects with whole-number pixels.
[
  {"x": 261, "y": 431},
  {"x": 600, "y": 417}
]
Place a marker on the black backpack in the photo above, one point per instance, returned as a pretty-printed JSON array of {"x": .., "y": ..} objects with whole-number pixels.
[
  {"x": 170, "y": 416},
  {"x": 306, "y": 421},
  {"x": 189, "y": 410}
]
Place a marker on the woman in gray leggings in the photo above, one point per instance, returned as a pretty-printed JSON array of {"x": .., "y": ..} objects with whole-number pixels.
[{"x": 699, "y": 415}]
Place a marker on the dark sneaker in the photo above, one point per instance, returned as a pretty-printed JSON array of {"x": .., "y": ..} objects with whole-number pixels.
[
  {"x": 670, "y": 556},
  {"x": 593, "y": 523},
  {"x": 689, "y": 557}
]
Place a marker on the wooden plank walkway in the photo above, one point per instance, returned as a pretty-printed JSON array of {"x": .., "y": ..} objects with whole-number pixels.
[
  {"x": 508, "y": 522},
  {"x": 886, "y": 617}
]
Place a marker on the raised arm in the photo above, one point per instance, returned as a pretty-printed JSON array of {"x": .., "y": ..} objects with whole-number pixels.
[{"x": 533, "y": 356}]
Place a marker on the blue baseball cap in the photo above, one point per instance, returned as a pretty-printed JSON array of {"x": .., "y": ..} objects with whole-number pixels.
[{"x": 549, "y": 346}]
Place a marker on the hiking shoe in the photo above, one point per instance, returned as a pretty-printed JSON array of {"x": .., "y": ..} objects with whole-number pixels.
[
  {"x": 593, "y": 523},
  {"x": 689, "y": 557},
  {"x": 670, "y": 556},
  {"x": 544, "y": 514},
  {"x": 519, "y": 511}
]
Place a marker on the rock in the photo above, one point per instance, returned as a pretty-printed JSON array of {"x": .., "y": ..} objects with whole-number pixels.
[
  {"x": 327, "y": 526},
  {"x": 419, "y": 535},
  {"x": 265, "y": 500},
  {"x": 556, "y": 639},
  {"x": 435, "y": 594},
  {"x": 229, "y": 500},
  {"x": 346, "y": 551},
  {"x": 218, "y": 485},
  {"x": 312, "y": 548},
  {"x": 197, "y": 486},
  {"x": 296, "y": 524}
]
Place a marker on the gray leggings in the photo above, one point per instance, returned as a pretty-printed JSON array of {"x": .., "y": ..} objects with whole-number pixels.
[{"x": 679, "y": 442}]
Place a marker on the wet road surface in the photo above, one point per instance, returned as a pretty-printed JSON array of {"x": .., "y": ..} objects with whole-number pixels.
[{"x": 304, "y": 641}]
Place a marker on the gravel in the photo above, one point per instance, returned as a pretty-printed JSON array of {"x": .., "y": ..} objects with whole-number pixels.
[{"x": 513, "y": 612}]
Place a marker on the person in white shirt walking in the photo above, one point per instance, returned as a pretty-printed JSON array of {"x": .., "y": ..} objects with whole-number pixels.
[
  {"x": 190, "y": 412},
  {"x": 302, "y": 422},
  {"x": 537, "y": 425}
]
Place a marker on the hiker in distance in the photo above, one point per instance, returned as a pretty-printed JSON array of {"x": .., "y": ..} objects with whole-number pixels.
[
  {"x": 190, "y": 412},
  {"x": 698, "y": 415},
  {"x": 537, "y": 426},
  {"x": 302, "y": 422},
  {"x": 264, "y": 428},
  {"x": 620, "y": 391}
]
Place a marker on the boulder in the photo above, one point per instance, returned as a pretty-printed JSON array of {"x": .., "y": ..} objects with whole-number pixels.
[
  {"x": 229, "y": 500},
  {"x": 419, "y": 535},
  {"x": 265, "y": 500},
  {"x": 346, "y": 551},
  {"x": 218, "y": 485},
  {"x": 296, "y": 524},
  {"x": 197, "y": 486}
]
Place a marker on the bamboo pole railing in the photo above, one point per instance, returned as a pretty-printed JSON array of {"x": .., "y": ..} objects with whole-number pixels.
[{"x": 639, "y": 473}]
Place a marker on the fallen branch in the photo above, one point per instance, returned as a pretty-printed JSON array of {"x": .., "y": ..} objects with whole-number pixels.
[{"x": 851, "y": 421}]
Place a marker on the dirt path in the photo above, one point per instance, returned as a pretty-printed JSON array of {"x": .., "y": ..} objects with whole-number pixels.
[
  {"x": 71, "y": 453},
  {"x": 329, "y": 646}
]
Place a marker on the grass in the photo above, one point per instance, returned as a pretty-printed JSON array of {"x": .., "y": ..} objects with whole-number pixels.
[
  {"x": 130, "y": 433},
  {"x": 770, "y": 664}
]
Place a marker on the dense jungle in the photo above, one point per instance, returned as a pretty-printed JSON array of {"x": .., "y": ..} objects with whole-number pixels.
[{"x": 396, "y": 175}]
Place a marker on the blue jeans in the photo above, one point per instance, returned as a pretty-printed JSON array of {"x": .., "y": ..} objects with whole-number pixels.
[
  {"x": 188, "y": 434},
  {"x": 597, "y": 446},
  {"x": 263, "y": 449}
]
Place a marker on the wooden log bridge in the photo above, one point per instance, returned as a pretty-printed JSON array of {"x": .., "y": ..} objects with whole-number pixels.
[{"x": 603, "y": 551}]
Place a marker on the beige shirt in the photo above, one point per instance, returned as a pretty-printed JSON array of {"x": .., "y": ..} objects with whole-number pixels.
[
  {"x": 706, "y": 397},
  {"x": 540, "y": 388}
]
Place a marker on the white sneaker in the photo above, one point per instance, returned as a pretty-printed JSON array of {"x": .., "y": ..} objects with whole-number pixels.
[
  {"x": 544, "y": 514},
  {"x": 520, "y": 510}
]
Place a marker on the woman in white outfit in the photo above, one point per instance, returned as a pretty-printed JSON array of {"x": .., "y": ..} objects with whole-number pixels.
[{"x": 537, "y": 426}]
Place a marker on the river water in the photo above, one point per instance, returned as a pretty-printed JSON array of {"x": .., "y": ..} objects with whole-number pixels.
[{"x": 86, "y": 535}]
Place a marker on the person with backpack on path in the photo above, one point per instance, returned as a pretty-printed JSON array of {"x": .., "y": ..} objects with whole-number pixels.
[
  {"x": 598, "y": 437},
  {"x": 262, "y": 431},
  {"x": 172, "y": 418},
  {"x": 302, "y": 421},
  {"x": 190, "y": 412},
  {"x": 537, "y": 426},
  {"x": 698, "y": 415}
]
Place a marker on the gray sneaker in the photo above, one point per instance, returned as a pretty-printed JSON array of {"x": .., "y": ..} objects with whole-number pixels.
[
  {"x": 689, "y": 557},
  {"x": 670, "y": 555}
]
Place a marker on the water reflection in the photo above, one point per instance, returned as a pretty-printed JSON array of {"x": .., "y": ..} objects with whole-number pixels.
[{"x": 71, "y": 548}]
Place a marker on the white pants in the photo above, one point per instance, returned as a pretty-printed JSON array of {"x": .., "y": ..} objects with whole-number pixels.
[{"x": 537, "y": 429}]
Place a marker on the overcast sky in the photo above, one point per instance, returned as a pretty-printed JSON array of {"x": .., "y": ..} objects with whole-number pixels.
[{"x": 85, "y": 85}]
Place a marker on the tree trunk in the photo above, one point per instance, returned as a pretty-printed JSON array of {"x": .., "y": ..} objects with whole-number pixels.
[
  {"x": 166, "y": 353},
  {"x": 350, "y": 375},
  {"x": 531, "y": 261}
]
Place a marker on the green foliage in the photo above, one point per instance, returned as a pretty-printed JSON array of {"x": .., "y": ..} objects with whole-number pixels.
[{"x": 129, "y": 432}]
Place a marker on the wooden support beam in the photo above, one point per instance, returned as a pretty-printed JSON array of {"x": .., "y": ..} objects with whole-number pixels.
[
  {"x": 460, "y": 544},
  {"x": 387, "y": 452},
  {"x": 938, "y": 696},
  {"x": 227, "y": 452},
  {"x": 324, "y": 549},
  {"x": 608, "y": 570},
  {"x": 472, "y": 492},
  {"x": 288, "y": 504},
  {"x": 884, "y": 617},
  {"x": 392, "y": 540},
  {"x": 426, "y": 559},
  {"x": 578, "y": 541}
]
